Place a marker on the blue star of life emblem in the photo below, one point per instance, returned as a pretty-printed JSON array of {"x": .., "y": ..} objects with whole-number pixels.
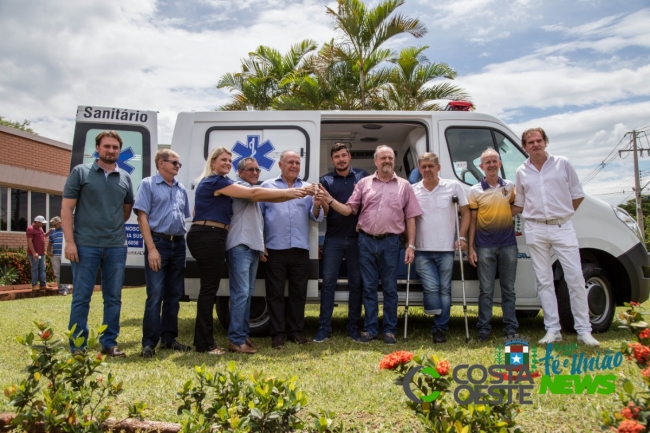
[
  {"x": 122, "y": 160},
  {"x": 254, "y": 149}
]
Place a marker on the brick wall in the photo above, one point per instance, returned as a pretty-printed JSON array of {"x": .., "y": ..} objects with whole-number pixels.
[
  {"x": 13, "y": 240},
  {"x": 23, "y": 152}
]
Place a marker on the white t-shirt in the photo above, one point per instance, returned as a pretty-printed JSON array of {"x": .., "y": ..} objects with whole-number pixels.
[{"x": 435, "y": 230}]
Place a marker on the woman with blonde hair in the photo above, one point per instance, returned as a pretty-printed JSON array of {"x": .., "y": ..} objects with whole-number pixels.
[{"x": 206, "y": 238}]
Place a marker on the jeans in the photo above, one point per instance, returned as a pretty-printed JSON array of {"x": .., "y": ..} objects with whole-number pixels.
[
  {"x": 243, "y": 263},
  {"x": 334, "y": 248},
  {"x": 38, "y": 270},
  {"x": 562, "y": 238},
  {"x": 435, "y": 270},
  {"x": 378, "y": 258},
  {"x": 164, "y": 289},
  {"x": 282, "y": 265},
  {"x": 111, "y": 261},
  {"x": 489, "y": 259},
  {"x": 56, "y": 267},
  {"x": 208, "y": 247}
]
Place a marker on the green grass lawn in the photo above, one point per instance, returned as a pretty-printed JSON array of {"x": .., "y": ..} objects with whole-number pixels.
[{"x": 338, "y": 375}]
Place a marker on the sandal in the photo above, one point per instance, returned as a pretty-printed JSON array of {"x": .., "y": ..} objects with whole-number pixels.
[{"x": 217, "y": 351}]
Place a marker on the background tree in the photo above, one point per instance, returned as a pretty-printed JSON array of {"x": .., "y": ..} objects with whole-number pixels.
[
  {"x": 22, "y": 126},
  {"x": 366, "y": 30},
  {"x": 630, "y": 207}
]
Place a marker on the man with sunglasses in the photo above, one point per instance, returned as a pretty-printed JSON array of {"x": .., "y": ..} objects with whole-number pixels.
[
  {"x": 244, "y": 249},
  {"x": 162, "y": 206}
]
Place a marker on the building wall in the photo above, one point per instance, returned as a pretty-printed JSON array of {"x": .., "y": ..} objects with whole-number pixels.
[{"x": 33, "y": 163}]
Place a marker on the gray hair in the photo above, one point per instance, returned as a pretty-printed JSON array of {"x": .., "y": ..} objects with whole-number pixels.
[
  {"x": 242, "y": 162},
  {"x": 284, "y": 152},
  {"x": 488, "y": 151},
  {"x": 55, "y": 220},
  {"x": 380, "y": 147},
  {"x": 428, "y": 156}
]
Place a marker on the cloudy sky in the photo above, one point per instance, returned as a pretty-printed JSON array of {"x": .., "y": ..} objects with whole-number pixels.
[{"x": 579, "y": 68}]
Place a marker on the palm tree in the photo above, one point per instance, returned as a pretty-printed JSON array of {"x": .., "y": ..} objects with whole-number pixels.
[
  {"x": 259, "y": 82},
  {"x": 408, "y": 78},
  {"x": 367, "y": 29}
]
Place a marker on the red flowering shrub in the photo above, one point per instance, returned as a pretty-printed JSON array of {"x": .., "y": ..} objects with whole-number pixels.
[
  {"x": 630, "y": 426},
  {"x": 443, "y": 368},
  {"x": 20, "y": 263},
  {"x": 394, "y": 359}
]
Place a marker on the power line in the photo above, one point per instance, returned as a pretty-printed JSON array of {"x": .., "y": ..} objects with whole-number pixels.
[{"x": 608, "y": 159}]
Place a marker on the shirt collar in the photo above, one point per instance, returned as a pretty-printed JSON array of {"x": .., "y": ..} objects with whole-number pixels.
[
  {"x": 352, "y": 172},
  {"x": 97, "y": 167},
  {"x": 376, "y": 176},
  {"x": 159, "y": 179},
  {"x": 279, "y": 178},
  {"x": 486, "y": 185},
  {"x": 549, "y": 157}
]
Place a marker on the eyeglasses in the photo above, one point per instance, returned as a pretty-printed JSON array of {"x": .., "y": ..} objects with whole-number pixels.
[
  {"x": 174, "y": 163},
  {"x": 251, "y": 169}
]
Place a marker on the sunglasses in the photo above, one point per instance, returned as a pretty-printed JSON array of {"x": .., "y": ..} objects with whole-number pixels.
[
  {"x": 174, "y": 163},
  {"x": 251, "y": 169}
]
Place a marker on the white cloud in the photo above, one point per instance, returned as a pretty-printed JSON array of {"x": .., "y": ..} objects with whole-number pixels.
[{"x": 113, "y": 54}]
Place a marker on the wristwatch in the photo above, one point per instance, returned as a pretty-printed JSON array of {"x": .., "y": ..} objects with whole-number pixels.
[{"x": 412, "y": 247}]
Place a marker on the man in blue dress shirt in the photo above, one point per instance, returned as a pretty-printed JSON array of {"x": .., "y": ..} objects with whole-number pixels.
[
  {"x": 286, "y": 238},
  {"x": 341, "y": 239},
  {"x": 162, "y": 206}
]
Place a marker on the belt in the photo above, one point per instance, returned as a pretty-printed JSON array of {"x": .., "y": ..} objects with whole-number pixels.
[
  {"x": 172, "y": 238},
  {"x": 212, "y": 224},
  {"x": 377, "y": 237},
  {"x": 555, "y": 222}
]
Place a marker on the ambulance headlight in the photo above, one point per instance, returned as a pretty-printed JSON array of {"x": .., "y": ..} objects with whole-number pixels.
[{"x": 629, "y": 221}]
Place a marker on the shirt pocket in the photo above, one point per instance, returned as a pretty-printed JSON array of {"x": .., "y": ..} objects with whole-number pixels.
[{"x": 443, "y": 202}]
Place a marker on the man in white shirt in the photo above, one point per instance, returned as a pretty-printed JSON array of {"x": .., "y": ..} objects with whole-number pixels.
[
  {"x": 548, "y": 192},
  {"x": 435, "y": 240}
]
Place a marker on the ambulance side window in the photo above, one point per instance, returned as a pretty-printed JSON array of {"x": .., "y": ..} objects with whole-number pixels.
[
  {"x": 465, "y": 147},
  {"x": 511, "y": 156}
]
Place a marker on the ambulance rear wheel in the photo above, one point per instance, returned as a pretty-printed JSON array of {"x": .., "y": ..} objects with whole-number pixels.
[
  {"x": 260, "y": 321},
  {"x": 600, "y": 299}
]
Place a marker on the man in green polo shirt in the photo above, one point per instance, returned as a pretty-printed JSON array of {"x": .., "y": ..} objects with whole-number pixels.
[{"x": 101, "y": 198}]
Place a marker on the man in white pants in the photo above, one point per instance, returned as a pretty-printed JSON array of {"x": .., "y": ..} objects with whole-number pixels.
[{"x": 549, "y": 192}]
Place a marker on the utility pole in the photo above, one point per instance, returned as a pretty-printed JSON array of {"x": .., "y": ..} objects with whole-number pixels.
[
  {"x": 637, "y": 182},
  {"x": 637, "y": 187}
]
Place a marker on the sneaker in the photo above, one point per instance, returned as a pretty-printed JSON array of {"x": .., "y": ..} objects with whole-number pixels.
[
  {"x": 277, "y": 342},
  {"x": 217, "y": 351},
  {"x": 114, "y": 352},
  {"x": 147, "y": 352},
  {"x": 364, "y": 337},
  {"x": 482, "y": 337},
  {"x": 551, "y": 337},
  {"x": 389, "y": 338},
  {"x": 511, "y": 334},
  {"x": 439, "y": 336},
  {"x": 175, "y": 345},
  {"x": 588, "y": 340},
  {"x": 321, "y": 335}
]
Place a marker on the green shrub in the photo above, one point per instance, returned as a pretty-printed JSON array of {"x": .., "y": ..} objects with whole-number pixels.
[
  {"x": 232, "y": 402},
  {"x": 66, "y": 392},
  {"x": 20, "y": 263},
  {"x": 8, "y": 275}
]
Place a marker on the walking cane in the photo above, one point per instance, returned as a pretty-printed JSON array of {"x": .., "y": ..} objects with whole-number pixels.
[
  {"x": 454, "y": 200},
  {"x": 406, "y": 307}
]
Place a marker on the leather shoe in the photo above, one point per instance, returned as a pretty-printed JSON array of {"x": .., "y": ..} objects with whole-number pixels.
[
  {"x": 175, "y": 345},
  {"x": 242, "y": 348},
  {"x": 114, "y": 352},
  {"x": 298, "y": 339},
  {"x": 147, "y": 352},
  {"x": 250, "y": 343},
  {"x": 278, "y": 342}
]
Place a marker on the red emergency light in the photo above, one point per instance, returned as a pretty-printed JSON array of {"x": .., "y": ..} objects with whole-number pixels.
[{"x": 459, "y": 106}]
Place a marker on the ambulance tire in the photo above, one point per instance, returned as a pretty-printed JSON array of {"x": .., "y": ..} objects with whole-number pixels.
[
  {"x": 260, "y": 321},
  {"x": 526, "y": 314},
  {"x": 602, "y": 304}
]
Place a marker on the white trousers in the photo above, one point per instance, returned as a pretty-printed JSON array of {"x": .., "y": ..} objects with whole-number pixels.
[{"x": 541, "y": 238}]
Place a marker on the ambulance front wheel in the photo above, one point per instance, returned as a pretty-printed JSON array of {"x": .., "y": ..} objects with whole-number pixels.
[{"x": 260, "y": 320}]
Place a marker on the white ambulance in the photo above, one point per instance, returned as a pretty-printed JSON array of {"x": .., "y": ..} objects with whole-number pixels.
[{"x": 615, "y": 261}]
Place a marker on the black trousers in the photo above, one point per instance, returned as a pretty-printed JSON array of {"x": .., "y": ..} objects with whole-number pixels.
[
  {"x": 291, "y": 264},
  {"x": 208, "y": 247}
]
